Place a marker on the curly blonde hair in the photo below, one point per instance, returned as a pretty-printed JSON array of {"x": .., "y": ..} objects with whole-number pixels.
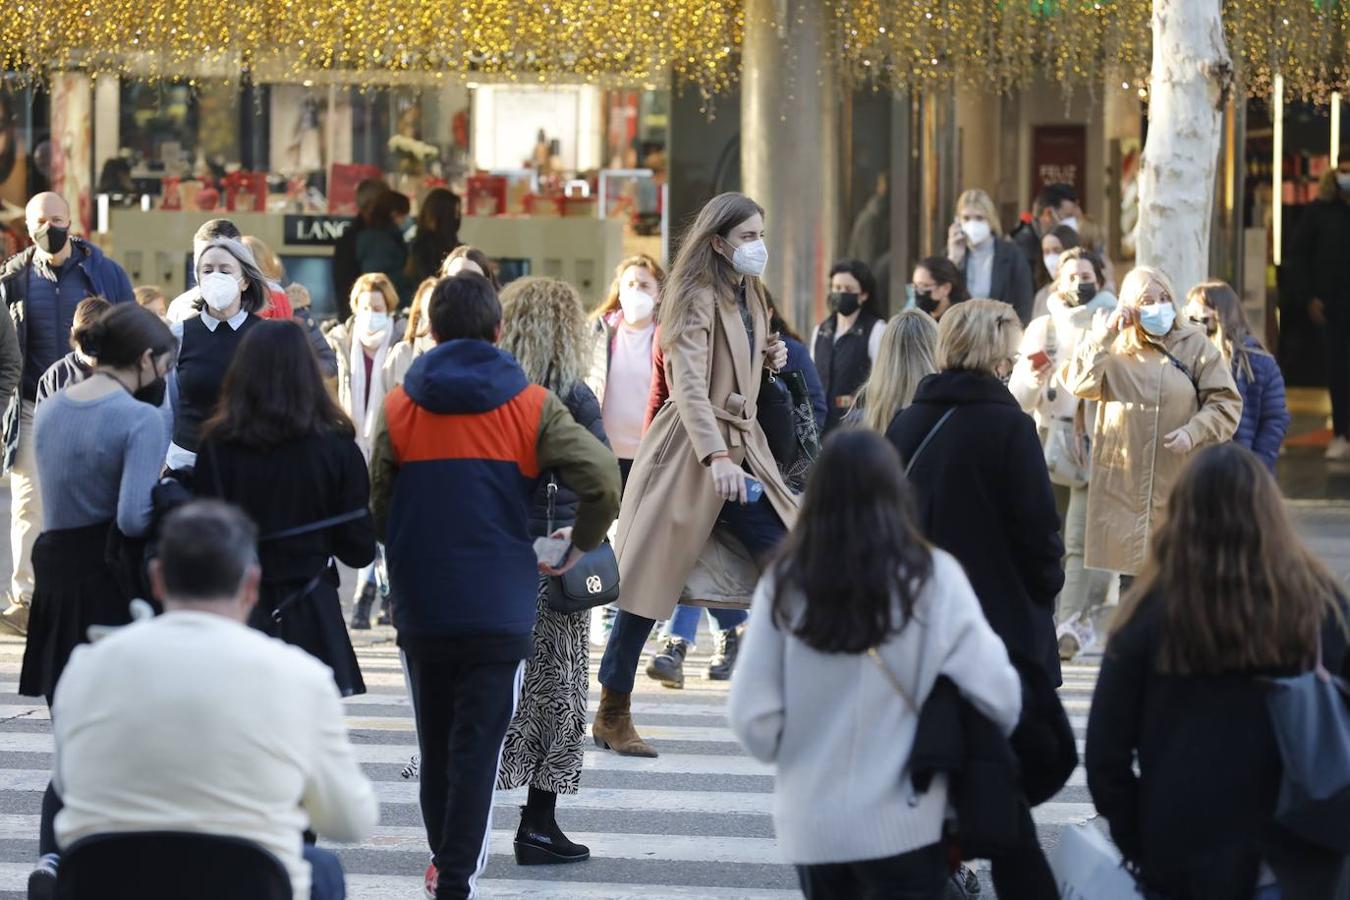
[{"x": 544, "y": 328}]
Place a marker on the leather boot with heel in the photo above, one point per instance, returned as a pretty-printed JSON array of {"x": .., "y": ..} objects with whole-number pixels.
[
  {"x": 540, "y": 842},
  {"x": 613, "y": 727}
]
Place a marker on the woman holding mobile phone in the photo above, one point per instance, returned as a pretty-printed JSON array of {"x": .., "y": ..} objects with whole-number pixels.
[
  {"x": 1065, "y": 425},
  {"x": 705, "y": 445}
]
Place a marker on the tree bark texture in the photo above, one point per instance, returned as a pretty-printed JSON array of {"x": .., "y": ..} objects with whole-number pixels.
[{"x": 1191, "y": 76}]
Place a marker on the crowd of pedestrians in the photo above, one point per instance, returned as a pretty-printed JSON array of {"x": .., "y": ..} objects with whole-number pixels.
[{"x": 904, "y": 525}]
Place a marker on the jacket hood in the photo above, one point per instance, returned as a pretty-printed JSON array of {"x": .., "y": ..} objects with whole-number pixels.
[
  {"x": 464, "y": 377},
  {"x": 960, "y": 388},
  {"x": 1079, "y": 317}
]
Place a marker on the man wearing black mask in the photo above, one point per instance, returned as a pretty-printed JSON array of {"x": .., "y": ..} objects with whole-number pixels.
[{"x": 41, "y": 288}]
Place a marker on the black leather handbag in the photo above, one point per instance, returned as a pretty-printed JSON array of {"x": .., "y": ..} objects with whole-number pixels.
[
  {"x": 1311, "y": 720},
  {"x": 592, "y": 582},
  {"x": 774, "y": 411}
]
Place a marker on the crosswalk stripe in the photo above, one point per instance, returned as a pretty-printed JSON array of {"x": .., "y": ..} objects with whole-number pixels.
[{"x": 383, "y": 735}]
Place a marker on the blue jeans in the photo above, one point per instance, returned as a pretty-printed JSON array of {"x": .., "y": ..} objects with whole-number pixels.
[
  {"x": 756, "y": 525},
  {"x": 684, "y": 623},
  {"x": 326, "y": 881}
]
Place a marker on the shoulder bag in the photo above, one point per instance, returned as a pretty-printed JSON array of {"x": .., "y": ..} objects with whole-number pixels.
[
  {"x": 593, "y": 581},
  {"x": 774, "y": 412},
  {"x": 1311, "y": 721}
]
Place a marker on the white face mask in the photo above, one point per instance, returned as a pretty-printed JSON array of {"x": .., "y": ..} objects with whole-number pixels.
[
  {"x": 1070, "y": 222},
  {"x": 1051, "y": 263},
  {"x": 750, "y": 258},
  {"x": 976, "y": 231},
  {"x": 637, "y": 304},
  {"x": 371, "y": 324},
  {"x": 219, "y": 290}
]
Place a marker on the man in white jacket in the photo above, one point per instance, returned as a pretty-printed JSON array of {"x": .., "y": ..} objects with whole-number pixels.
[{"x": 195, "y": 722}]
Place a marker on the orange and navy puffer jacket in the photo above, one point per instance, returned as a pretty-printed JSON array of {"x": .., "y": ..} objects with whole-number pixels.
[{"x": 454, "y": 467}]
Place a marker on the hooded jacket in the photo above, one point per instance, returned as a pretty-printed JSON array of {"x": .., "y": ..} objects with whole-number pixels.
[{"x": 456, "y": 460}]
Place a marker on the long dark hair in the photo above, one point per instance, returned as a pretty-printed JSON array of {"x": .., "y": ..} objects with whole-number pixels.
[
  {"x": 1241, "y": 590},
  {"x": 274, "y": 392},
  {"x": 855, "y": 550},
  {"x": 439, "y": 215}
]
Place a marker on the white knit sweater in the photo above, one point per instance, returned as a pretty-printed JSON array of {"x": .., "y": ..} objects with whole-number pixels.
[{"x": 841, "y": 736}]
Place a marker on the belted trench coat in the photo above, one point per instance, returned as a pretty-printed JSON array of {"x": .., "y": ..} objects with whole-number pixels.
[{"x": 670, "y": 505}]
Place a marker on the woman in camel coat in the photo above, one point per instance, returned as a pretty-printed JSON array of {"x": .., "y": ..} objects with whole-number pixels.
[
  {"x": 691, "y": 471},
  {"x": 1164, "y": 391}
]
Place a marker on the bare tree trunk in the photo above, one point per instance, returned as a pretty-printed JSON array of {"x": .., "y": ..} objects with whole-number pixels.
[{"x": 1192, "y": 74}]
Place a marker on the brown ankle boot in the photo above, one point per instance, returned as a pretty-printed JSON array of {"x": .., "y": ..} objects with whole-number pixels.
[{"x": 613, "y": 728}]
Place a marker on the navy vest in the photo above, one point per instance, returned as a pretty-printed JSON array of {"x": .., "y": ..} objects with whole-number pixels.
[
  {"x": 203, "y": 360},
  {"x": 843, "y": 364}
]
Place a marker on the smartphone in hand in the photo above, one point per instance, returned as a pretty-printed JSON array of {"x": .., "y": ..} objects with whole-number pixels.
[
  {"x": 1039, "y": 360},
  {"x": 551, "y": 552}
]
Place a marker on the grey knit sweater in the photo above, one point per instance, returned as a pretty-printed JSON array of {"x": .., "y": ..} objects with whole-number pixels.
[
  {"x": 839, "y": 733},
  {"x": 98, "y": 460}
]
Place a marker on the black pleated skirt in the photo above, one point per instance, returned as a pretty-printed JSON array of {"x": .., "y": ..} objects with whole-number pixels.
[
  {"x": 313, "y": 622},
  {"x": 74, "y": 587}
]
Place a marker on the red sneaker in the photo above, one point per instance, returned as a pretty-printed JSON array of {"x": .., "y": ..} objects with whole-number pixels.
[{"x": 433, "y": 877}]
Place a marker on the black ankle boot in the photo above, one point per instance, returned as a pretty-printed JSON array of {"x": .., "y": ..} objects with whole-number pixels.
[
  {"x": 361, "y": 614},
  {"x": 540, "y": 842}
]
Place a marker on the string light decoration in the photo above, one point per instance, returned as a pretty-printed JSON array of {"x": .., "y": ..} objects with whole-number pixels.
[{"x": 999, "y": 45}]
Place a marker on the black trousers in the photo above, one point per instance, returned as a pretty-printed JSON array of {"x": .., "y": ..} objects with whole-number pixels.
[
  {"x": 917, "y": 875},
  {"x": 463, "y": 710},
  {"x": 1336, "y": 344}
]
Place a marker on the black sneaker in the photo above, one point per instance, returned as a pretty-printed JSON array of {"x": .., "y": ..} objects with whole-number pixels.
[
  {"x": 42, "y": 880},
  {"x": 667, "y": 666},
  {"x": 724, "y": 660}
]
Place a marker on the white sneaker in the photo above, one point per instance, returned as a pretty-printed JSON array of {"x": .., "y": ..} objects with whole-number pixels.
[{"x": 1339, "y": 448}]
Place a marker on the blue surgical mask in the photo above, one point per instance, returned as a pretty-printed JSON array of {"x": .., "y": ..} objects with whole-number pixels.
[{"x": 1157, "y": 318}]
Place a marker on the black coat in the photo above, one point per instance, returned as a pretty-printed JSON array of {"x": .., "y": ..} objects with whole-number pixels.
[
  {"x": 1198, "y": 818},
  {"x": 1319, "y": 256},
  {"x": 984, "y": 496},
  {"x": 585, "y": 409},
  {"x": 1010, "y": 280},
  {"x": 286, "y": 487}
]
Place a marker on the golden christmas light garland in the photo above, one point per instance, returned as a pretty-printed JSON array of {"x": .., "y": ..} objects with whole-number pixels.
[{"x": 998, "y": 44}]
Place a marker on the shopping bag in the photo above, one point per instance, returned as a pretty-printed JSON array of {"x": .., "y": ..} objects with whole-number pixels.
[{"x": 1088, "y": 867}]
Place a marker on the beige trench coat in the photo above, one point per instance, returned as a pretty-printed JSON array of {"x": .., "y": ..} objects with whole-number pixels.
[
  {"x": 1144, "y": 396},
  {"x": 670, "y": 505}
]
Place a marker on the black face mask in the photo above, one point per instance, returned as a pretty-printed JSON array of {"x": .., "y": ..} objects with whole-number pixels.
[
  {"x": 50, "y": 238},
  {"x": 924, "y": 301},
  {"x": 844, "y": 303},
  {"x": 1086, "y": 292},
  {"x": 152, "y": 393}
]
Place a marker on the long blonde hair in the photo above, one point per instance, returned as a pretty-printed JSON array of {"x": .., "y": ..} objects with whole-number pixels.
[
  {"x": 699, "y": 268},
  {"x": 1132, "y": 289},
  {"x": 544, "y": 328},
  {"x": 904, "y": 358}
]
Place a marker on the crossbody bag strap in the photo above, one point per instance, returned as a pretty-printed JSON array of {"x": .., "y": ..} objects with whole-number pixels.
[
  {"x": 928, "y": 438},
  {"x": 320, "y": 525},
  {"x": 890, "y": 676},
  {"x": 1185, "y": 369}
]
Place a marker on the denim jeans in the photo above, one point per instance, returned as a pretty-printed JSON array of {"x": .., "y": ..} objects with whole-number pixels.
[
  {"x": 326, "y": 881},
  {"x": 684, "y": 623},
  {"x": 756, "y": 525}
]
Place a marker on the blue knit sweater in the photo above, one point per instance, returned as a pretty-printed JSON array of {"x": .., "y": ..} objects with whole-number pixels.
[{"x": 1265, "y": 417}]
